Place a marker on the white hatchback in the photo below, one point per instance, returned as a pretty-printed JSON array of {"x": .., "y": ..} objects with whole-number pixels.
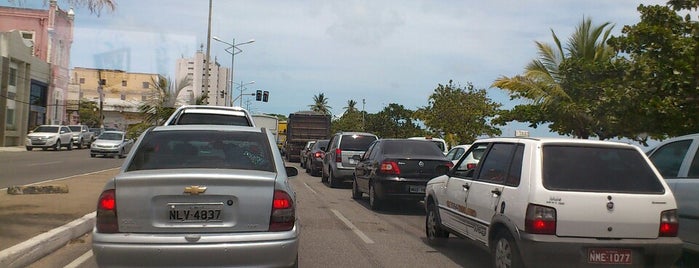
[{"x": 559, "y": 202}]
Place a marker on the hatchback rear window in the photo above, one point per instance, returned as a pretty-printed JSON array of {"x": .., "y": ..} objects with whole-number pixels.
[
  {"x": 212, "y": 119},
  {"x": 356, "y": 142},
  {"x": 597, "y": 169},
  {"x": 411, "y": 147},
  {"x": 203, "y": 149}
]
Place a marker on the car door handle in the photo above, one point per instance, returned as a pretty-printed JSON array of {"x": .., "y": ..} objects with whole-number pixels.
[
  {"x": 496, "y": 191},
  {"x": 466, "y": 187}
]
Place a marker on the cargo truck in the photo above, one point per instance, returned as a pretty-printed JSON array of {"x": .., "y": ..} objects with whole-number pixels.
[{"x": 302, "y": 127}]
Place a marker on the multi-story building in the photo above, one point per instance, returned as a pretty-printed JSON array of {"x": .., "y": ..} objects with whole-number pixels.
[
  {"x": 24, "y": 82},
  {"x": 50, "y": 33},
  {"x": 121, "y": 94},
  {"x": 193, "y": 70}
]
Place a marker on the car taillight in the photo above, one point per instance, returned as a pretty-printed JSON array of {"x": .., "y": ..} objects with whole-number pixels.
[
  {"x": 450, "y": 164},
  {"x": 283, "y": 212},
  {"x": 318, "y": 155},
  {"x": 540, "y": 220},
  {"x": 470, "y": 166},
  {"x": 389, "y": 167},
  {"x": 669, "y": 223},
  {"x": 106, "y": 220},
  {"x": 338, "y": 155}
]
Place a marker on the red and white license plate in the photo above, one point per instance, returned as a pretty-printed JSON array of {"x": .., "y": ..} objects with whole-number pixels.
[{"x": 609, "y": 256}]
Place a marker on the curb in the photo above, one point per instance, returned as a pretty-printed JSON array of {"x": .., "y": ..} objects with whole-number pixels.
[
  {"x": 30, "y": 251},
  {"x": 38, "y": 189}
]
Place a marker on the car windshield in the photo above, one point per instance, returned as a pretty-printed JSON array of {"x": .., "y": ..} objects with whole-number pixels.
[
  {"x": 203, "y": 149},
  {"x": 111, "y": 136},
  {"x": 597, "y": 169},
  {"x": 46, "y": 129},
  {"x": 212, "y": 119},
  {"x": 356, "y": 142},
  {"x": 75, "y": 128}
]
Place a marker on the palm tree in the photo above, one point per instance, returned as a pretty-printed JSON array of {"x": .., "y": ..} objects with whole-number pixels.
[
  {"x": 350, "y": 106},
  {"x": 542, "y": 81},
  {"x": 162, "y": 103},
  {"x": 320, "y": 104}
]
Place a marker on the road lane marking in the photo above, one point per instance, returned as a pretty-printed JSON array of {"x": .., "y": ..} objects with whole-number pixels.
[
  {"x": 65, "y": 178},
  {"x": 354, "y": 229},
  {"x": 45, "y": 164},
  {"x": 80, "y": 260},
  {"x": 311, "y": 189}
]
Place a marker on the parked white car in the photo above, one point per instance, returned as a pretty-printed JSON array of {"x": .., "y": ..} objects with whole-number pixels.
[
  {"x": 677, "y": 160},
  {"x": 49, "y": 136},
  {"x": 82, "y": 136},
  {"x": 567, "y": 202}
]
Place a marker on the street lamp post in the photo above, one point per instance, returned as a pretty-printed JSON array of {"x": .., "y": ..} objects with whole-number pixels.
[
  {"x": 241, "y": 86},
  {"x": 233, "y": 49}
]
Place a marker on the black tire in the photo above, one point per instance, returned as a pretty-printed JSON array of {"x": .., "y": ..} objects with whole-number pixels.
[
  {"x": 375, "y": 202},
  {"x": 302, "y": 163},
  {"x": 29, "y": 148},
  {"x": 57, "y": 146},
  {"x": 80, "y": 144},
  {"x": 434, "y": 232},
  {"x": 332, "y": 181},
  {"x": 44, "y": 149},
  {"x": 93, "y": 155},
  {"x": 356, "y": 193},
  {"x": 307, "y": 166},
  {"x": 505, "y": 252},
  {"x": 121, "y": 154},
  {"x": 69, "y": 146}
]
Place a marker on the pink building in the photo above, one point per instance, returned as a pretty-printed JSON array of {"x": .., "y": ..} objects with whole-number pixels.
[{"x": 51, "y": 32}]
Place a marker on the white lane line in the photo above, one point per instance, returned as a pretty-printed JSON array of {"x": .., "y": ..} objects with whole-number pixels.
[
  {"x": 44, "y": 164},
  {"x": 352, "y": 227},
  {"x": 65, "y": 178},
  {"x": 311, "y": 189},
  {"x": 80, "y": 260}
]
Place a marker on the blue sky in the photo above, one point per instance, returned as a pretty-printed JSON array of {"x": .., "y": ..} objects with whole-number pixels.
[{"x": 381, "y": 51}]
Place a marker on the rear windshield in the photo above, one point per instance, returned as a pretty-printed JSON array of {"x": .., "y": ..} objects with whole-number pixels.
[
  {"x": 597, "y": 169},
  {"x": 439, "y": 144},
  {"x": 319, "y": 144},
  {"x": 75, "y": 128},
  {"x": 411, "y": 147},
  {"x": 212, "y": 119},
  {"x": 203, "y": 149},
  {"x": 356, "y": 142},
  {"x": 46, "y": 129}
]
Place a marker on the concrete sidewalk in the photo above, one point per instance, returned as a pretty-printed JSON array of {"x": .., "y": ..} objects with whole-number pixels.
[{"x": 34, "y": 225}]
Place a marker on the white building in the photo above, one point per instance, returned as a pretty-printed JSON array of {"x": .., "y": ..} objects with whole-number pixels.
[{"x": 192, "y": 69}]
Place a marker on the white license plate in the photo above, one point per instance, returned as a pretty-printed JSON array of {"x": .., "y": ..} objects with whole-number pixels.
[
  {"x": 609, "y": 256},
  {"x": 416, "y": 189},
  {"x": 195, "y": 212}
]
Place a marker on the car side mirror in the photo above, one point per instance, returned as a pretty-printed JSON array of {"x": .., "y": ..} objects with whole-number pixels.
[
  {"x": 291, "y": 171},
  {"x": 356, "y": 157},
  {"x": 442, "y": 170}
]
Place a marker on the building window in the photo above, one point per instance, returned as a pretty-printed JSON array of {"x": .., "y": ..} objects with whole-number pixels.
[
  {"x": 146, "y": 85},
  {"x": 13, "y": 77},
  {"x": 123, "y": 96},
  {"x": 10, "y": 119},
  {"x": 123, "y": 83},
  {"x": 82, "y": 80}
]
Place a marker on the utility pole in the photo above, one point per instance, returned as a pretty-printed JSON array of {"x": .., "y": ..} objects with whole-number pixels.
[{"x": 207, "y": 64}]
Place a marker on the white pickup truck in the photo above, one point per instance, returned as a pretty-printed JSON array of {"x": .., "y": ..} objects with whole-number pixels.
[{"x": 82, "y": 136}]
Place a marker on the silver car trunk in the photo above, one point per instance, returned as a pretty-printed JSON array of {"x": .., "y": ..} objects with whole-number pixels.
[{"x": 196, "y": 201}]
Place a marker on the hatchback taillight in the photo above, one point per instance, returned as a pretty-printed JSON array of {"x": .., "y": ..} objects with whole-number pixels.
[
  {"x": 669, "y": 223},
  {"x": 389, "y": 167},
  {"x": 318, "y": 155},
  {"x": 470, "y": 166},
  {"x": 106, "y": 220},
  {"x": 540, "y": 220},
  {"x": 338, "y": 155},
  {"x": 283, "y": 212}
]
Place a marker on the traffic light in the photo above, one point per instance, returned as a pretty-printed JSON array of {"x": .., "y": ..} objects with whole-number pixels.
[
  {"x": 258, "y": 95},
  {"x": 265, "y": 96}
]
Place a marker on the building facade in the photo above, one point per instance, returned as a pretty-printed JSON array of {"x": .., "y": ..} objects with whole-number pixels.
[
  {"x": 121, "y": 94},
  {"x": 51, "y": 34},
  {"x": 193, "y": 70},
  {"x": 24, "y": 81}
]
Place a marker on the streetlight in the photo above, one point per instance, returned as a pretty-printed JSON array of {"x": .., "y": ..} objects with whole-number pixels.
[
  {"x": 233, "y": 49},
  {"x": 241, "y": 85}
]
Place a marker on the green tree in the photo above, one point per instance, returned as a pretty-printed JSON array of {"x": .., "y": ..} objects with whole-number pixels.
[
  {"x": 462, "y": 113},
  {"x": 161, "y": 104},
  {"x": 394, "y": 121},
  {"x": 662, "y": 80},
  {"x": 556, "y": 84},
  {"x": 320, "y": 104},
  {"x": 89, "y": 113},
  {"x": 351, "y": 106},
  {"x": 349, "y": 121}
]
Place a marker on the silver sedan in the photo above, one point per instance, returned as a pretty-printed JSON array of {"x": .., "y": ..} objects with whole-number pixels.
[
  {"x": 199, "y": 195},
  {"x": 111, "y": 143}
]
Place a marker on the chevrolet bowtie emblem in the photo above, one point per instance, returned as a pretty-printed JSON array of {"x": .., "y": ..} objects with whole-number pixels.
[{"x": 194, "y": 189}]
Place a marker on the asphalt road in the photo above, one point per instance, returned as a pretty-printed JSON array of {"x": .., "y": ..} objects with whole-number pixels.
[
  {"x": 337, "y": 231},
  {"x": 26, "y": 167}
]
